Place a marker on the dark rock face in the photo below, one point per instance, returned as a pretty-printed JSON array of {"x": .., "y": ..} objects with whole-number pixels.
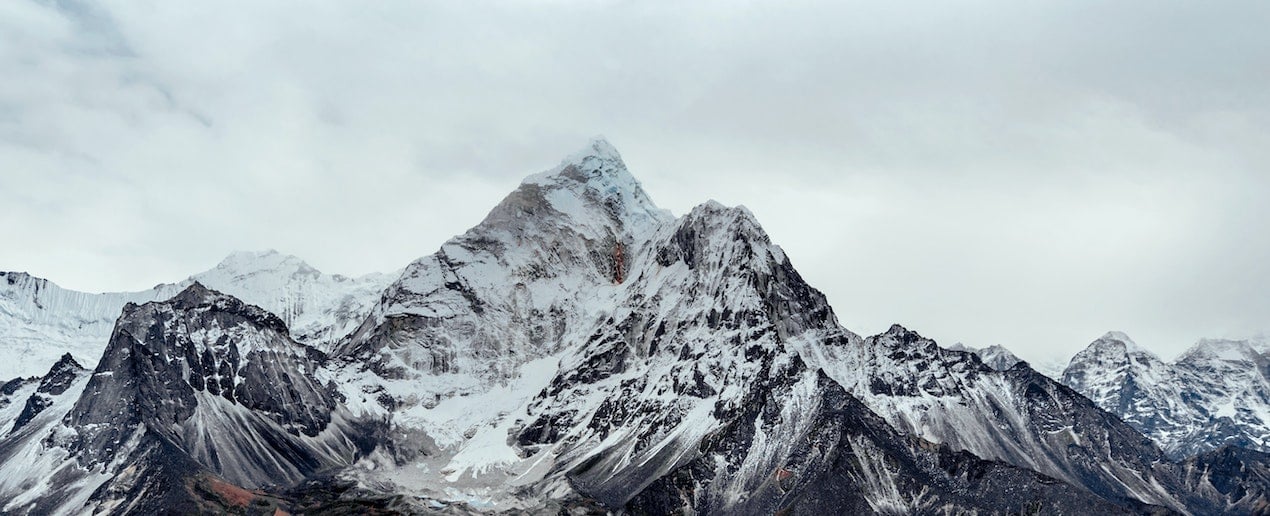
[
  {"x": 846, "y": 460},
  {"x": 58, "y": 379},
  {"x": 1230, "y": 480},
  {"x": 12, "y": 386},
  {"x": 217, "y": 379}
]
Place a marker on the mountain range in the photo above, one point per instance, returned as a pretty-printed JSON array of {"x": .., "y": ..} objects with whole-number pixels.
[{"x": 581, "y": 350}]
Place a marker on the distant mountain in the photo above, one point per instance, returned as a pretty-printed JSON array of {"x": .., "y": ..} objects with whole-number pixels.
[
  {"x": 994, "y": 356},
  {"x": 39, "y": 321},
  {"x": 1215, "y": 394}
]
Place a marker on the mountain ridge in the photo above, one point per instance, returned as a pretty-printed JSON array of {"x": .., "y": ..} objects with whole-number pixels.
[
  {"x": 41, "y": 320},
  {"x": 580, "y": 349},
  {"x": 1216, "y": 393}
]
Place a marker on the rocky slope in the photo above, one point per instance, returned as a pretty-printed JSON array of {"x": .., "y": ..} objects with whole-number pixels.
[{"x": 40, "y": 321}]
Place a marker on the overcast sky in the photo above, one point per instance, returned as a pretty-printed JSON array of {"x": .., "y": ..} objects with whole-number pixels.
[{"x": 1030, "y": 174}]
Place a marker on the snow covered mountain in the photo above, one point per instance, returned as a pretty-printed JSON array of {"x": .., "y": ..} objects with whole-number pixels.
[
  {"x": 201, "y": 388},
  {"x": 994, "y": 356},
  {"x": 39, "y": 321},
  {"x": 578, "y": 351},
  {"x": 1215, "y": 394},
  {"x": 692, "y": 396},
  {"x": 660, "y": 326}
]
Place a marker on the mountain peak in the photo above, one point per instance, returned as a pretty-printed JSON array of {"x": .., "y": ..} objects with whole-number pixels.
[
  {"x": 598, "y": 148},
  {"x": 194, "y": 295},
  {"x": 1119, "y": 341},
  {"x": 1112, "y": 350},
  {"x": 598, "y": 163},
  {"x": 67, "y": 361},
  {"x": 589, "y": 183},
  {"x": 1220, "y": 349},
  {"x": 1117, "y": 335},
  {"x": 897, "y": 329},
  {"x": 247, "y": 262}
]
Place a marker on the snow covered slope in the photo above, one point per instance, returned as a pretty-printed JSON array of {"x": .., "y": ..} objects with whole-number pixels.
[
  {"x": 1217, "y": 393},
  {"x": 319, "y": 308},
  {"x": 40, "y": 321}
]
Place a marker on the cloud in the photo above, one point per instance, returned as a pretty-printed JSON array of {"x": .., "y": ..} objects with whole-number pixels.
[{"x": 989, "y": 172}]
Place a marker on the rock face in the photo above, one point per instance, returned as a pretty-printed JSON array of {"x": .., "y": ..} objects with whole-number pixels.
[
  {"x": 1230, "y": 480},
  {"x": 580, "y": 350},
  {"x": 1215, "y": 394},
  {"x": 60, "y": 378},
  {"x": 843, "y": 459},
  {"x": 40, "y": 321}
]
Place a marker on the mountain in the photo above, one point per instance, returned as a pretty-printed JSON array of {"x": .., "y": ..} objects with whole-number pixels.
[
  {"x": 692, "y": 397},
  {"x": 459, "y": 344},
  {"x": 578, "y": 351},
  {"x": 1215, "y": 394},
  {"x": 994, "y": 356},
  {"x": 39, "y": 321},
  {"x": 620, "y": 314},
  {"x": 199, "y": 389},
  {"x": 319, "y": 308},
  {"x": 1016, "y": 416}
]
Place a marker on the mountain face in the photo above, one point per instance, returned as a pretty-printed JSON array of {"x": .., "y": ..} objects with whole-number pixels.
[
  {"x": 39, "y": 320},
  {"x": 58, "y": 380},
  {"x": 578, "y": 351},
  {"x": 1016, "y": 416},
  {"x": 1215, "y": 394},
  {"x": 1230, "y": 479},
  {"x": 691, "y": 398},
  {"x": 510, "y": 289},
  {"x": 199, "y": 384}
]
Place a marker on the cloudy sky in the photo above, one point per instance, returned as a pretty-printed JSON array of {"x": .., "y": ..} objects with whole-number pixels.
[{"x": 1030, "y": 174}]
